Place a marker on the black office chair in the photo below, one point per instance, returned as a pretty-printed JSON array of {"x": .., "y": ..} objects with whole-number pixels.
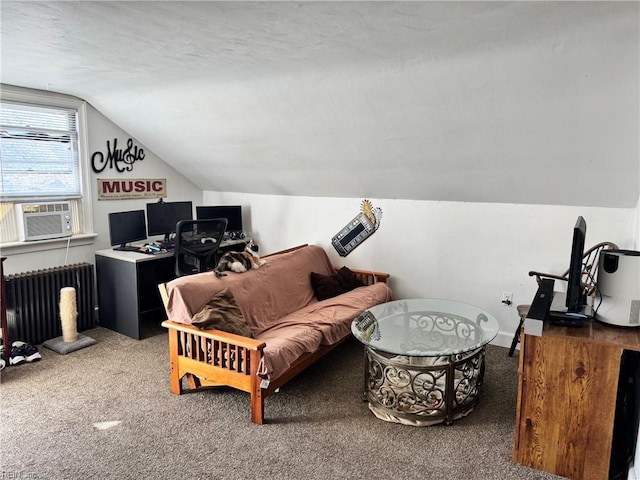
[
  {"x": 590, "y": 263},
  {"x": 197, "y": 245}
]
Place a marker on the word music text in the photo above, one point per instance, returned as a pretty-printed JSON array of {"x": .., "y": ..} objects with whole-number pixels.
[{"x": 121, "y": 160}]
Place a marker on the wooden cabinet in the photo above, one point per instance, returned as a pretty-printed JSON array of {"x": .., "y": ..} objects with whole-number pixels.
[{"x": 568, "y": 382}]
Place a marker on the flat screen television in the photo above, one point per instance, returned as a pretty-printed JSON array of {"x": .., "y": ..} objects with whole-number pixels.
[
  {"x": 162, "y": 217},
  {"x": 125, "y": 228},
  {"x": 576, "y": 309},
  {"x": 233, "y": 214},
  {"x": 576, "y": 296}
]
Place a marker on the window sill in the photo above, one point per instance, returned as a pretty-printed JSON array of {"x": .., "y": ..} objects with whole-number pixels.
[{"x": 52, "y": 244}]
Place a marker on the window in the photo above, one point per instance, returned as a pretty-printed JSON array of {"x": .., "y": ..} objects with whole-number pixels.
[
  {"x": 43, "y": 156},
  {"x": 39, "y": 148}
]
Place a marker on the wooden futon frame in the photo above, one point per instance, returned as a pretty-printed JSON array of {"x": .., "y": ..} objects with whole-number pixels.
[{"x": 212, "y": 358}]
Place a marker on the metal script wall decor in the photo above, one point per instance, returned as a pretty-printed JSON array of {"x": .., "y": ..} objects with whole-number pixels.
[{"x": 121, "y": 160}]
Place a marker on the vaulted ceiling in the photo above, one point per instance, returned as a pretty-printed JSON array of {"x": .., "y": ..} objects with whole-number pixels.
[{"x": 516, "y": 102}]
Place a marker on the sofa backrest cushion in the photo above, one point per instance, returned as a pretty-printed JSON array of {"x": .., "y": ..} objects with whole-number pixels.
[{"x": 276, "y": 289}]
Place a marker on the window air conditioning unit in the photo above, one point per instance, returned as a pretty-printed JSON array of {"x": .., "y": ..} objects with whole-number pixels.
[{"x": 41, "y": 221}]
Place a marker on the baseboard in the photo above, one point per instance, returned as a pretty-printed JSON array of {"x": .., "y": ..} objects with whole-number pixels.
[{"x": 503, "y": 339}]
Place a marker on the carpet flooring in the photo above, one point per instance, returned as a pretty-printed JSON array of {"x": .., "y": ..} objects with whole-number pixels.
[{"x": 106, "y": 412}]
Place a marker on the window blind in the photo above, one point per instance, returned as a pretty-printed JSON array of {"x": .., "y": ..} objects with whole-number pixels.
[{"x": 38, "y": 152}]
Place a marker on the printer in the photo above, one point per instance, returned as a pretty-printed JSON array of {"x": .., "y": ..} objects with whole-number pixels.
[{"x": 619, "y": 288}]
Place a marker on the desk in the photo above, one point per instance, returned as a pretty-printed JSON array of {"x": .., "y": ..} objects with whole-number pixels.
[
  {"x": 128, "y": 288},
  {"x": 128, "y": 294},
  {"x": 566, "y": 404}
]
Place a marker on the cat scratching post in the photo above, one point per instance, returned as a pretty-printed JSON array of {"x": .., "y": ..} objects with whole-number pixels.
[
  {"x": 68, "y": 314},
  {"x": 71, "y": 340}
]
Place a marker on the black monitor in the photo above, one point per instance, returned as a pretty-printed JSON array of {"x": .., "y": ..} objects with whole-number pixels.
[
  {"x": 576, "y": 296},
  {"x": 576, "y": 310},
  {"x": 162, "y": 217},
  {"x": 127, "y": 227},
  {"x": 233, "y": 214}
]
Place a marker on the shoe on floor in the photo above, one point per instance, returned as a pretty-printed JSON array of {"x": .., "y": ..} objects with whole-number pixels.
[
  {"x": 16, "y": 356},
  {"x": 23, "y": 352}
]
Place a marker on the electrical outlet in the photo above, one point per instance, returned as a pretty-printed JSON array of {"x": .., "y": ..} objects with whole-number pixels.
[{"x": 507, "y": 299}]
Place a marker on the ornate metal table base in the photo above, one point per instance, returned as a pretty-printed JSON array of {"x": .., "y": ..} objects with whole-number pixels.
[{"x": 423, "y": 391}]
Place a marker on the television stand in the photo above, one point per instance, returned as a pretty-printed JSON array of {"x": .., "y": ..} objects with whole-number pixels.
[
  {"x": 569, "y": 320},
  {"x": 567, "y": 399},
  {"x": 560, "y": 316}
]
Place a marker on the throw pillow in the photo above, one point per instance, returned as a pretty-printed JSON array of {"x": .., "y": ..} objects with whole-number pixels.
[
  {"x": 222, "y": 313},
  {"x": 328, "y": 286},
  {"x": 348, "y": 279}
]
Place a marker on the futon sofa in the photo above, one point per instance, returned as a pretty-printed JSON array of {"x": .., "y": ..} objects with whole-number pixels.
[{"x": 279, "y": 319}]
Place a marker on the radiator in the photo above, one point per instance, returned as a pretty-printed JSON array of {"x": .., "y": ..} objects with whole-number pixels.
[{"x": 33, "y": 311}]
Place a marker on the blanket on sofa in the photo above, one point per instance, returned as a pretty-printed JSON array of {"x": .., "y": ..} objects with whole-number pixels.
[{"x": 279, "y": 305}]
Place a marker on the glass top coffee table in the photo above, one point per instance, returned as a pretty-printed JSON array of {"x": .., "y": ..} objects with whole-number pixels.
[{"x": 424, "y": 359}]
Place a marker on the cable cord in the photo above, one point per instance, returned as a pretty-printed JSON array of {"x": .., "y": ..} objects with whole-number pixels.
[
  {"x": 598, "y": 293},
  {"x": 66, "y": 255}
]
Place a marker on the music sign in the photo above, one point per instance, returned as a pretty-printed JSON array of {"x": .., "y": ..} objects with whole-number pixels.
[{"x": 123, "y": 188}]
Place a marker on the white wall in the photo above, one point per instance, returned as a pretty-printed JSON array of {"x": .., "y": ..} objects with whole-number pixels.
[
  {"x": 637, "y": 225},
  {"x": 100, "y": 130},
  {"x": 471, "y": 252}
]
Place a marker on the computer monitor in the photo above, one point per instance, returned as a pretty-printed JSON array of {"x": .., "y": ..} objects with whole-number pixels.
[
  {"x": 162, "y": 217},
  {"x": 127, "y": 227},
  {"x": 576, "y": 295},
  {"x": 571, "y": 308},
  {"x": 233, "y": 214}
]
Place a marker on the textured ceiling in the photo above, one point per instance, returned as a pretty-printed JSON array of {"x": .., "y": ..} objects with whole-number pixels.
[{"x": 516, "y": 102}]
